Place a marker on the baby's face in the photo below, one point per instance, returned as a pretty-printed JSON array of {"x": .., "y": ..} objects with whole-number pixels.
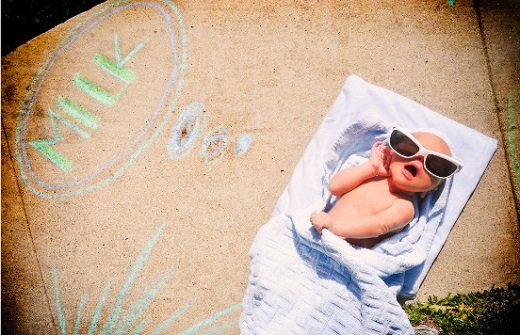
[{"x": 409, "y": 174}]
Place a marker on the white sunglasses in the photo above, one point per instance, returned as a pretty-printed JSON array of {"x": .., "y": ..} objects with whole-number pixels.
[{"x": 407, "y": 146}]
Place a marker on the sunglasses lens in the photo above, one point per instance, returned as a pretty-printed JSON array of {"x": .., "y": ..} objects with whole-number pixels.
[
  {"x": 402, "y": 144},
  {"x": 439, "y": 166}
]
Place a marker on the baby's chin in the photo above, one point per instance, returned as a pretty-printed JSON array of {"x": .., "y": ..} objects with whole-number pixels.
[{"x": 402, "y": 185}]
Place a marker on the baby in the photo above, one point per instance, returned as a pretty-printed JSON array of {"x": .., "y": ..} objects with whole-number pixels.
[{"x": 376, "y": 197}]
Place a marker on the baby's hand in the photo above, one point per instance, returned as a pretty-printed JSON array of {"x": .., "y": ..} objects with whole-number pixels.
[
  {"x": 380, "y": 158},
  {"x": 320, "y": 221}
]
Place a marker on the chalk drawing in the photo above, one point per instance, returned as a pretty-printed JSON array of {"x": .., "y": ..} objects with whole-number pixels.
[
  {"x": 511, "y": 137},
  {"x": 73, "y": 115},
  {"x": 115, "y": 69},
  {"x": 215, "y": 144},
  {"x": 68, "y": 184},
  {"x": 77, "y": 112},
  {"x": 243, "y": 144},
  {"x": 186, "y": 130},
  {"x": 45, "y": 146},
  {"x": 135, "y": 320}
]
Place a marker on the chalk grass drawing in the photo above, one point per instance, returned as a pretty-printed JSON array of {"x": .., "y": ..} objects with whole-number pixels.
[
  {"x": 512, "y": 129},
  {"x": 133, "y": 320},
  {"x": 216, "y": 141},
  {"x": 72, "y": 115}
]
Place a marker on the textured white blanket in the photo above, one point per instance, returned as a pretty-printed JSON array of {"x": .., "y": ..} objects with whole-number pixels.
[{"x": 304, "y": 283}]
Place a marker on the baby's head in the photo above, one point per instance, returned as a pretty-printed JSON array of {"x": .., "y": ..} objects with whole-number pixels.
[{"x": 421, "y": 161}]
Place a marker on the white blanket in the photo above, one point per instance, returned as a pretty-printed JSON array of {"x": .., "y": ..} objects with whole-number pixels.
[{"x": 303, "y": 283}]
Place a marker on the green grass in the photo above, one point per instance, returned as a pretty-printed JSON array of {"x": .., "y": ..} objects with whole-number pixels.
[{"x": 493, "y": 311}]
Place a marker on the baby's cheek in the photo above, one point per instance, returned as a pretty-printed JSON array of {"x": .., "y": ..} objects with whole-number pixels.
[{"x": 436, "y": 182}]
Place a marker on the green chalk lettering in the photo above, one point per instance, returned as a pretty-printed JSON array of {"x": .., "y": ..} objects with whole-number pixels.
[
  {"x": 45, "y": 146},
  {"x": 78, "y": 112},
  {"x": 95, "y": 91},
  {"x": 117, "y": 47},
  {"x": 117, "y": 50},
  {"x": 125, "y": 74},
  {"x": 116, "y": 69}
]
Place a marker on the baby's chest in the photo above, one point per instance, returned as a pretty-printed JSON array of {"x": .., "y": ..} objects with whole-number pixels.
[{"x": 372, "y": 197}]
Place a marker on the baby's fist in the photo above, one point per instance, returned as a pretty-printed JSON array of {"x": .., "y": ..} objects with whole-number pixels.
[
  {"x": 380, "y": 159},
  {"x": 320, "y": 221}
]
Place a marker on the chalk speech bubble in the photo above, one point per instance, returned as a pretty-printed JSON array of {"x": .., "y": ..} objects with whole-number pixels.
[{"x": 66, "y": 146}]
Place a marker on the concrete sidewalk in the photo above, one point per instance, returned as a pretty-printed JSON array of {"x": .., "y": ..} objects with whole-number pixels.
[{"x": 114, "y": 207}]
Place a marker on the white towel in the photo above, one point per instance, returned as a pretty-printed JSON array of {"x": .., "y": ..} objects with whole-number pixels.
[
  {"x": 363, "y": 105},
  {"x": 305, "y": 283}
]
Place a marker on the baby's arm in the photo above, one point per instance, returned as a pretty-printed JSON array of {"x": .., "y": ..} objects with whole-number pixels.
[
  {"x": 392, "y": 219},
  {"x": 350, "y": 178}
]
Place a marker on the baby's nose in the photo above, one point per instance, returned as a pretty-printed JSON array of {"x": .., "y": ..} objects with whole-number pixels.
[{"x": 420, "y": 158}]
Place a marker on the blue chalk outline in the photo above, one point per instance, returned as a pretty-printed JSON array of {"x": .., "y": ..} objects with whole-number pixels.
[
  {"x": 211, "y": 156},
  {"x": 27, "y": 105},
  {"x": 193, "y": 116},
  {"x": 243, "y": 144}
]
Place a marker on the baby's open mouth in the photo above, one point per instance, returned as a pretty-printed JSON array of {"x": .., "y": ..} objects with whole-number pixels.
[{"x": 412, "y": 169}]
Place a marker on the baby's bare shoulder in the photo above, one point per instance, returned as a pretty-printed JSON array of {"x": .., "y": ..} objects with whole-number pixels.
[{"x": 404, "y": 206}]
